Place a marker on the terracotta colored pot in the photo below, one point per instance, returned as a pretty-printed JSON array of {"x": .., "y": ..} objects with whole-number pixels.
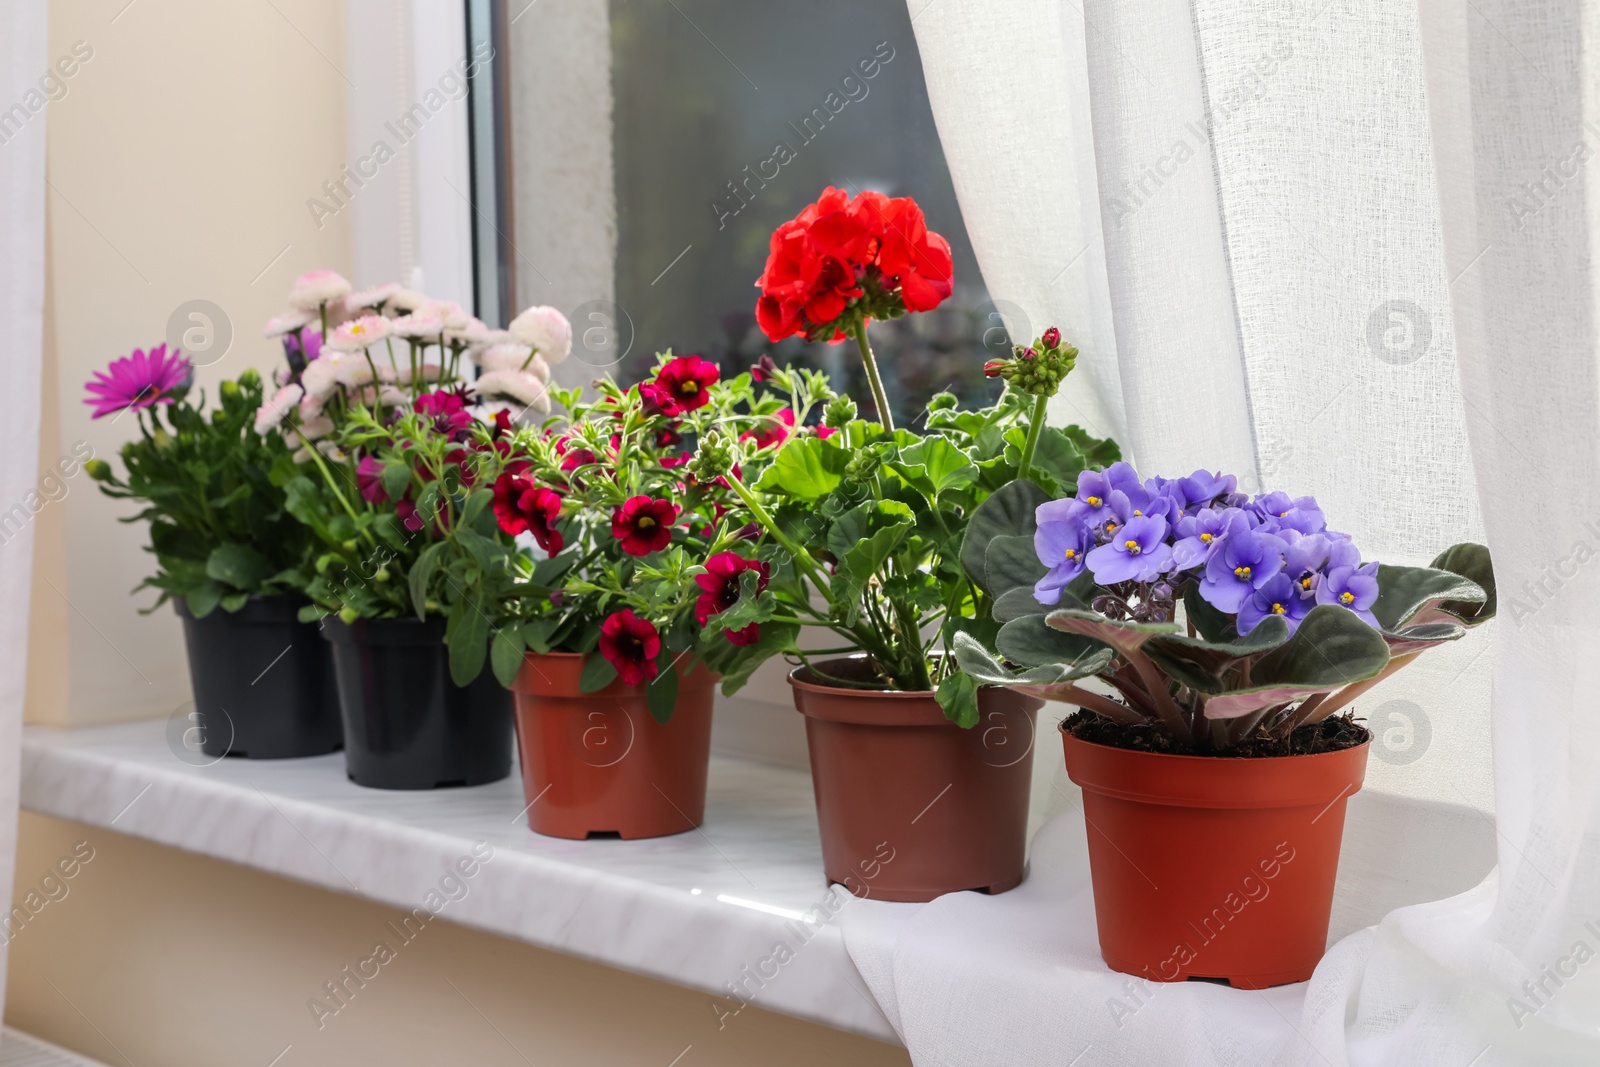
[
  {"x": 1207, "y": 867},
  {"x": 598, "y": 763},
  {"x": 910, "y": 805}
]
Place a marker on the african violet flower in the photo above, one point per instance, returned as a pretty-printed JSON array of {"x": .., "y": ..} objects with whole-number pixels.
[
  {"x": 1137, "y": 552},
  {"x": 631, "y": 645},
  {"x": 138, "y": 381},
  {"x": 1277, "y": 596},
  {"x": 1272, "y": 554},
  {"x": 644, "y": 525},
  {"x": 720, "y": 585},
  {"x": 1244, "y": 563}
]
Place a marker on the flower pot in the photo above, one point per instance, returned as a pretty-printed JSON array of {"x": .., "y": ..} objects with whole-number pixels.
[
  {"x": 910, "y": 805},
  {"x": 263, "y": 683},
  {"x": 406, "y": 724},
  {"x": 599, "y": 764},
  {"x": 1213, "y": 867}
]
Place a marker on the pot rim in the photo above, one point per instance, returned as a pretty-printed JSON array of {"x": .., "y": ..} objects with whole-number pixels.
[{"x": 1068, "y": 737}]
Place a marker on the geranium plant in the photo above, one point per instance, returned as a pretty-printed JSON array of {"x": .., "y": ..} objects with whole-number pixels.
[
  {"x": 865, "y": 524},
  {"x": 219, "y": 528},
  {"x": 645, "y": 563},
  {"x": 1211, "y": 616}
]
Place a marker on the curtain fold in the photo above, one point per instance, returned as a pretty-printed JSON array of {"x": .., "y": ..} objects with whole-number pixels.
[
  {"x": 23, "y": 61},
  {"x": 1346, "y": 250}
]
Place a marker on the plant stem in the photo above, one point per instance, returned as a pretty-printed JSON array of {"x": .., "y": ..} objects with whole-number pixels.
[
  {"x": 859, "y": 330},
  {"x": 1035, "y": 427},
  {"x": 764, "y": 517}
]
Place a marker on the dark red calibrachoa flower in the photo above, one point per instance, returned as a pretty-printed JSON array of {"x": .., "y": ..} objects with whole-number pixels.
[
  {"x": 644, "y": 525},
  {"x": 448, "y": 411},
  {"x": 720, "y": 583},
  {"x": 683, "y": 385},
  {"x": 523, "y": 507},
  {"x": 631, "y": 644}
]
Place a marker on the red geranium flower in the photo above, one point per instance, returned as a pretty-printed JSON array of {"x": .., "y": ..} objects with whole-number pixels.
[
  {"x": 644, "y": 525},
  {"x": 681, "y": 386},
  {"x": 721, "y": 591},
  {"x": 773, "y": 431},
  {"x": 815, "y": 262},
  {"x": 631, "y": 644},
  {"x": 523, "y": 507}
]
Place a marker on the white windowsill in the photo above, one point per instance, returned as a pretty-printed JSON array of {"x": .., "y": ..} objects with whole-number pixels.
[{"x": 695, "y": 909}]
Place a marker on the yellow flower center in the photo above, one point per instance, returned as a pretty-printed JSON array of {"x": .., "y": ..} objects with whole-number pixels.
[
  {"x": 645, "y": 522},
  {"x": 1205, "y": 539},
  {"x": 1242, "y": 573},
  {"x": 1137, "y": 512},
  {"x": 358, "y": 328},
  {"x": 1093, "y": 501},
  {"x": 1278, "y": 609},
  {"x": 691, "y": 387},
  {"x": 1132, "y": 547},
  {"x": 1072, "y": 554},
  {"x": 1347, "y": 598},
  {"x": 1305, "y": 583}
]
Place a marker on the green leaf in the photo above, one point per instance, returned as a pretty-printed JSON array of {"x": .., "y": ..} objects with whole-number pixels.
[
  {"x": 234, "y": 602},
  {"x": 806, "y": 467},
  {"x": 1028, "y": 641},
  {"x": 958, "y": 696},
  {"x": 661, "y": 695},
  {"x": 1201, "y": 664},
  {"x": 1125, "y": 637},
  {"x": 203, "y": 599},
  {"x": 737, "y": 663},
  {"x": 1098, "y": 453},
  {"x": 1012, "y": 563},
  {"x": 1058, "y": 457},
  {"x": 239, "y": 566},
  {"x": 1016, "y": 603},
  {"x": 1331, "y": 649},
  {"x": 977, "y": 661},
  {"x": 1403, "y": 592},
  {"x": 1008, "y": 512},
  {"x": 421, "y": 574},
  {"x": 396, "y": 479},
  {"x": 597, "y": 674},
  {"x": 475, "y": 504},
  {"x": 1472, "y": 562},
  {"x": 487, "y": 553},
  {"x": 467, "y": 634},
  {"x": 867, "y": 535},
  {"x": 505, "y": 655},
  {"x": 933, "y": 466},
  {"x": 1209, "y": 622}
]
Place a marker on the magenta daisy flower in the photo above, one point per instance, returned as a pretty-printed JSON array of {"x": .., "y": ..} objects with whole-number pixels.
[{"x": 137, "y": 381}]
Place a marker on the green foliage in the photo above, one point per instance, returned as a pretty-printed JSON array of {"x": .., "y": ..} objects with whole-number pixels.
[{"x": 220, "y": 525}]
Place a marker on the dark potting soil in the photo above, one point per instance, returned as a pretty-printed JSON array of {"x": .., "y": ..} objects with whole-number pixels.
[{"x": 1329, "y": 735}]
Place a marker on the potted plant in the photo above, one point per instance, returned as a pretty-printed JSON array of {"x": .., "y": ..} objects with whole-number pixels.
[
  {"x": 866, "y": 529},
  {"x": 396, "y": 457},
  {"x": 615, "y": 647},
  {"x": 228, "y": 556},
  {"x": 1230, "y": 632}
]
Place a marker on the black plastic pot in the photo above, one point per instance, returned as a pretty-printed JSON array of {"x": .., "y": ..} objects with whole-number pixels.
[
  {"x": 406, "y": 724},
  {"x": 263, "y": 682}
]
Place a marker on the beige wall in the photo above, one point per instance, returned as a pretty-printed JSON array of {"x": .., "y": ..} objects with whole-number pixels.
[
  {"x": 180, "y": 161},
  {"x": 184, "y": 961}
]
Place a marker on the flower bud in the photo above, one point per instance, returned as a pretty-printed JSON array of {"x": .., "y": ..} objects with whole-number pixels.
[
  {"x": 1030, "y": 353},
  {"x": 839, "y": 413},
  {"x": 98, "y": 469},
  {"x": 1052, "y": 338},
  {"x": 713, "y": 459},
  {"x": 249, "y": 379},
  {"x": 348, "y": 616},
  {"x": 382, "y": 574},
  {"x": 997, "y": 368},
  {"x": 229, "y": 390}
]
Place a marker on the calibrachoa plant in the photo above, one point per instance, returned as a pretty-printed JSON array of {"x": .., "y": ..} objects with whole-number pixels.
[
  {"x": 218, "y": 525},
  {"x": 1211, "y": 614},
  {"x": 646, "y": 564},
  {"x": 866, "y": 528}
]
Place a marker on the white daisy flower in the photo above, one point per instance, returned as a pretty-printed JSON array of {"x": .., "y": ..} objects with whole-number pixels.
[
  {"x": 274, "y": 411},
  {"x": 317, "y": 287},
  {"x": 358, "y": 334},
  {"x": 517, "y": 385},
  {"x": 547, "y": 330},
  {"x": 288, "y": 322}
]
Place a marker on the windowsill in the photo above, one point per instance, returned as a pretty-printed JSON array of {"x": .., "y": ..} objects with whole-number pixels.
[{"x": 696, "y": 909}]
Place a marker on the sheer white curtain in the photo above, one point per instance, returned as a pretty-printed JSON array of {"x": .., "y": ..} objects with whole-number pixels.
[
  {"x": 1286, "y": 278},
  {"x": 22, "y": 183}
]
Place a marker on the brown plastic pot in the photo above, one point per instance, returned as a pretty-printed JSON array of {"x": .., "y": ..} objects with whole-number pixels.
[
  {"x": 599, "y": 764},
  {"x": 1213, "y": 867},
  {"x": 910, "y": 805}
]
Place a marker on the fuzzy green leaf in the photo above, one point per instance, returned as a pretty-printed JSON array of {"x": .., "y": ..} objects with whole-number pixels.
[
  {"x": 1012, "y": 563},
  {"x": 1331, "y": 649},
  {"x": 1472, "y": 562},
  {"x": 1403, "y": 592},
  {"x": 1008, "y": 512},
  {"x": 958, "y": 696},
  {"x": 1030, "y": 642}
]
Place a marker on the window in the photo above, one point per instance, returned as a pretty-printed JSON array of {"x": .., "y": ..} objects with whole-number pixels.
[{"x": 655, "y": 144}]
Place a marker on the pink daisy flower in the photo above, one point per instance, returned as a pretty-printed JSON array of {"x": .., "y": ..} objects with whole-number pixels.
[{"x": 137, "y": 381}]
